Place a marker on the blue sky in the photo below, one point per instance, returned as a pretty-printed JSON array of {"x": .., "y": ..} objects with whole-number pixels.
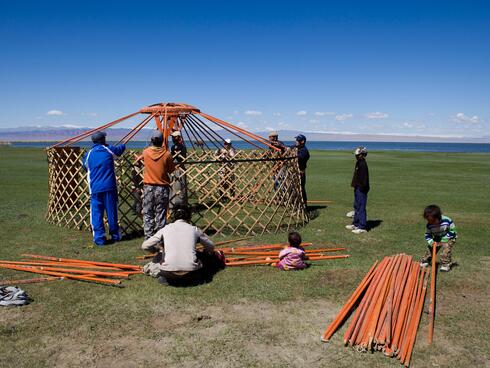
[{"x": 343, "y": 66}]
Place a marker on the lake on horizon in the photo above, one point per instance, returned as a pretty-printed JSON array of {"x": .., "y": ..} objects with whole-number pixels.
[{"x": 330, "y": 146}]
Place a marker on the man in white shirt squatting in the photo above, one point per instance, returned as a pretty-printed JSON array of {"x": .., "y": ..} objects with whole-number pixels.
[{"x": 180, "y": 263}]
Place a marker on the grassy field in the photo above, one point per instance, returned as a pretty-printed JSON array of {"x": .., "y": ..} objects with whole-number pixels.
[{"x": 257, "y": 316}]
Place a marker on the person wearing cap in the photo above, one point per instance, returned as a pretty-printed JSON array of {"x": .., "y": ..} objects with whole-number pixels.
[
  {"x": 156, "y": 184},
  {"x": 274, "y": 141},
  {"x": 101, "y": 176},
  {"x": 360, "y": 183},
  {"x": 179, "y": 184},
  {"x": 303, "y": 157},
  {"x": 227, "y": 177}
]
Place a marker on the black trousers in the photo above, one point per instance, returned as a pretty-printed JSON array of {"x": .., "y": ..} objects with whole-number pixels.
[{"x": 302, "y": 176}]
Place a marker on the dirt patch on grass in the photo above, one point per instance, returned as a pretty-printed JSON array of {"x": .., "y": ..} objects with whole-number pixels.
[{"x": 243, "y": 334}]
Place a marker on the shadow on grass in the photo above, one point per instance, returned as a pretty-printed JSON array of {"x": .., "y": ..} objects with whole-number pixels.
[
  {"x": 371, "y": 224},
  {"x": 313, "y": 212},
  {"x": 211, "y": 265}
]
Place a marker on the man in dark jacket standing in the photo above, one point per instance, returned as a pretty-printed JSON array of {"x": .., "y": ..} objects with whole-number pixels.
[
  {"x": 360, "y": 183},
  {"x": 303, "y": 157},
  {"x": 99, "y": 163}
]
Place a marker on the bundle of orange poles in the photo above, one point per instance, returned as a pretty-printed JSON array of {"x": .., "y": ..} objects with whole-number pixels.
[
  {"x": 389, "y": 303},
  {"x": 74, "y": 269}
]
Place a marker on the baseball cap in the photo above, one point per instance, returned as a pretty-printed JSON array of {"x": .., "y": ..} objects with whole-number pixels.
[
  {"x": 300, "y": 137},
  {"x": 273, "y": 134},
  {"x": 360, "y": 150},
  {"x": 228, "y": 140},
  {"x": 176, "y": 134},
  {"x": 99, "y": 137}
]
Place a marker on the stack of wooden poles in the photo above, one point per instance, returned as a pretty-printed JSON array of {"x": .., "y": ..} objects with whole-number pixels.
[
  {"x": 389, "y": 303},
  {"x": 269, "y": 254},
  {"x": 74, "y": 269}
]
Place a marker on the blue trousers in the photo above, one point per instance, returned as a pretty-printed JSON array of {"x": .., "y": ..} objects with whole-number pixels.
[
  {"x": 360, "y": 201},
  {"x": 98, "y": 203}
]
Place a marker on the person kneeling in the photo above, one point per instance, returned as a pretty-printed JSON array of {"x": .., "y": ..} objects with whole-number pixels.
[{"x": 178, "y": 263}]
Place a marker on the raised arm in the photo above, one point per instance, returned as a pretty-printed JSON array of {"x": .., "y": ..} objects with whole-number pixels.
[{"x": 118, "y": 150}]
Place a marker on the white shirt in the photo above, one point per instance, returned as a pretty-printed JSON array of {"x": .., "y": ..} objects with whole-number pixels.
[{"x": 179, "y": 240}]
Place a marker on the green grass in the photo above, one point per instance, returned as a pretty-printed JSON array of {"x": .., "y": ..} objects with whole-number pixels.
[{"x": 254, "y": 316}]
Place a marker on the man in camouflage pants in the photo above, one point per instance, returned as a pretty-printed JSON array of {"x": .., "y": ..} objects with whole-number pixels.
[{"x": 156, "y": 191}]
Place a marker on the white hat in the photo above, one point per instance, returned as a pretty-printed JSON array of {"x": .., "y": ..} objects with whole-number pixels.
[
  {"x": 360, "y": 151},
  {"x": 176, "y": 133},
  {"x": 228, "y": 140}
]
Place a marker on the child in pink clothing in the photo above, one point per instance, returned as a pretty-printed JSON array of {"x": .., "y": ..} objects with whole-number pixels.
[{"x": 293, "y": 256}]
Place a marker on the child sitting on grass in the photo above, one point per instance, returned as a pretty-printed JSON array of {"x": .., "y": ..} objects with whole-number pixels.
[
  {"x": 440, "y": 229},
  {"x": 292, "y": 257}
]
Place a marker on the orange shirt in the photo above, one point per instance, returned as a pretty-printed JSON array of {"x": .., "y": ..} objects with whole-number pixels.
[{"x": 158, "y": 166}]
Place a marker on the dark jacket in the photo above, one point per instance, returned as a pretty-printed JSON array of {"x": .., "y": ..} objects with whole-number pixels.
[
  {"x": 361, "y": 176},
  {"x": 179, "y": 152},
  {"x": 303, "y": 157},
  {"x": 99, "y": 163}
]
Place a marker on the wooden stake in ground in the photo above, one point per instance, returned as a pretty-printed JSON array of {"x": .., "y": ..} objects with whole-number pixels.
[{"x": 432, "y": 305}]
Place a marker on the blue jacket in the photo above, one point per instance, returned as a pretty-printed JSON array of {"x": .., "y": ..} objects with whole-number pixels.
[
  {"x": 99, "y": 163},
  {"x": 303, "y": 157}
]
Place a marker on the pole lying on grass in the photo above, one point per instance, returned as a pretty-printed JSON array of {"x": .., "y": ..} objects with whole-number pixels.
[
  {"x": 119, "y": 265},
  {"x": 64, "y": 264},
  {"x": 29, "y": 281},
  {"x": 266, "y": 261},
  {"x": 259, "y": 247},
  {"x": 274, "y": 253},
  {"x": 64, "y": 275},
  {"x": 147, "y": 256}
]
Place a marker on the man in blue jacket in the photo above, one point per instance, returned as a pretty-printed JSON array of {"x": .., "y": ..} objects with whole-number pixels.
[{"x": 99, "y": 163}]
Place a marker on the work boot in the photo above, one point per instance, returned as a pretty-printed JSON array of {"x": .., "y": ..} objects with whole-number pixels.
[
  {"x": 351, "y": 227},
  {"x": 359, "y": 231}
]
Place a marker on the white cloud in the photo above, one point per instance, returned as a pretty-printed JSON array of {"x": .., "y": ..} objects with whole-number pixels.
[
  {"x": 71, "y": 126},
  {"x": 408, "y": 125},
  {"x": 253, "y": 113},
  {"x": 92, "y": 114},
  {"x": 377, "y": 115},
  {"x": 462, "y": 118},
  {"x": 302, "y": 113},
  {"x": 276, "y": 114},
  {"x": 241, "y": 124},
  {"x": 313, "y": 121},
  {"x": 324, "y": 113},
  {"x": 343, "y": 117},
  {"x": 55, "y": 113},
  {"x": 269, "y": 129}
]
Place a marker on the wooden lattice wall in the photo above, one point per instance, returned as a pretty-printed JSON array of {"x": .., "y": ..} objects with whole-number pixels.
[{"x": 255, "y": 193}]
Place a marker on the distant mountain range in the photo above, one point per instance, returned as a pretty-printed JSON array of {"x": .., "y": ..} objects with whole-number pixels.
[{"x": 53, "y": 134}]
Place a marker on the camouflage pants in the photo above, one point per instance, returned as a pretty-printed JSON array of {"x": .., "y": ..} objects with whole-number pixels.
[
  {"x": 179, "y": 189},
  {"x": 155, "y": 204},
  {"x": 446, "y": 253}
]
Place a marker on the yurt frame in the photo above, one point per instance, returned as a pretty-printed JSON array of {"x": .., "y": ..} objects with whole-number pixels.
[{"x": 255, "y": 192}]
